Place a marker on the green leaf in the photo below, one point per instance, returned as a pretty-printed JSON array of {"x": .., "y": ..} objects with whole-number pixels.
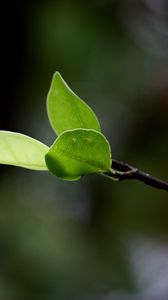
[
  {"x": 66, "y": 110},
  {"x": 78, "y": 152},
  {"x": 22, "y": 151}
]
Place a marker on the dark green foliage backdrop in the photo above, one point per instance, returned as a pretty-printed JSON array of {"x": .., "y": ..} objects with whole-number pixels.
[{"x": 91, "y": 239}]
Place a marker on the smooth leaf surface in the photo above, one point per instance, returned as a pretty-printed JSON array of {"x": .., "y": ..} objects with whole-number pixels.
[
  {"x": 22, "y": 151},
  {"x": 66, "y": 110},
  {"x": 78, "y": 152}
]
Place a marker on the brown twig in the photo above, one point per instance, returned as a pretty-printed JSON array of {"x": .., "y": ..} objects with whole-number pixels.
[{"x": 124, "y": 171}]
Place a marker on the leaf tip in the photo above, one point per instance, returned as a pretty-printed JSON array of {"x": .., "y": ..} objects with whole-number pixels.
[{"x": 56, "y": 77}]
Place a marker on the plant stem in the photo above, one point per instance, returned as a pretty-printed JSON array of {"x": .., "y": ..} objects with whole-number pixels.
[{"x": 121, "y": 171}]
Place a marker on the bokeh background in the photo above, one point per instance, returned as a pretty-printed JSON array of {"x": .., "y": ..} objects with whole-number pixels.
[{"x": 91, "y": 239}]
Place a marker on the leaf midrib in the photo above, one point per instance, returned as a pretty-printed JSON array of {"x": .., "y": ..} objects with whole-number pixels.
[{"x": 76, "y": 157}]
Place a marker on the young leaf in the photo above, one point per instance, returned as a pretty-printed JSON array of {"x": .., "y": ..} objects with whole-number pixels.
[
  {"x": 22, "y": 151},
  {"x": 78, "y": 152},
  {"x": 66, "y": 110}
]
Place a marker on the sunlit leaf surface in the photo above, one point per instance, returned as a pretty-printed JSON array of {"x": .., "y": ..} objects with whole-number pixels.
[
  {"x": 66, "y": 110},
  {"x": 79, "y": 152},
  {"x": 22, "y": 151}
]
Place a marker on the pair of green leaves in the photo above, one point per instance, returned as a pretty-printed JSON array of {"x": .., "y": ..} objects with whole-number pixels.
[{"x": 80, "y": 147}]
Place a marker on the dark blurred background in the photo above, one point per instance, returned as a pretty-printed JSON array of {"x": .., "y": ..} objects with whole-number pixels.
[{"x": 91, "y": 239}]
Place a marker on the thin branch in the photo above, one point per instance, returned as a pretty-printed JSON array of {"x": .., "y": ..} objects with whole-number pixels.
[{"x": 121, "y": 171}]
